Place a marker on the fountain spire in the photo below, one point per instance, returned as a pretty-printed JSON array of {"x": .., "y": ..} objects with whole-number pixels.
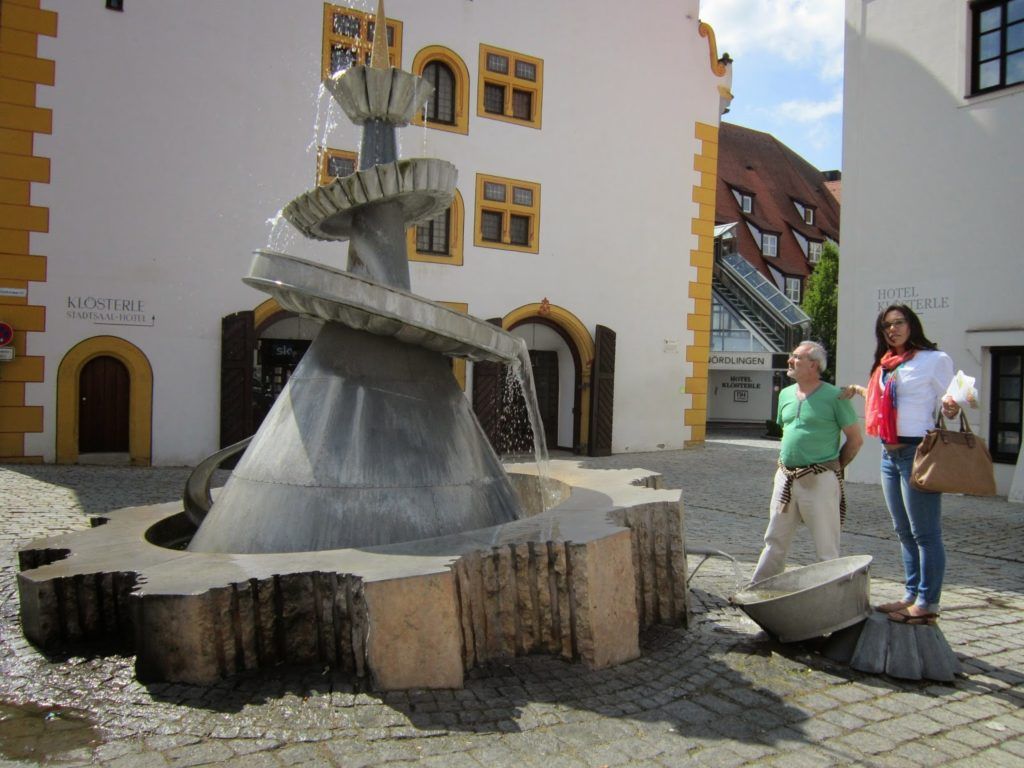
[
  {"x": 371, "y": 442},
  {"x": 379, "y": 52}
]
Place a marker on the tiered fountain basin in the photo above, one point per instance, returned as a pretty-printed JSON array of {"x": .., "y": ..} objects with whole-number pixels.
[
  {"x": 422, "y": 187},
  {"x": 579, "y": 581},
  {"x": 389, "y": 94},
  {"x": 324, "y": 293}
]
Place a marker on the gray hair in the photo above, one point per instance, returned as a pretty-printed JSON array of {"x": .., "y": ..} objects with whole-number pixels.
[{"x": 817, "y": 353}]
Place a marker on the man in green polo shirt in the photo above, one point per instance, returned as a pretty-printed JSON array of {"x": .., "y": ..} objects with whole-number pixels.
[{"x": 808, "y": 483}]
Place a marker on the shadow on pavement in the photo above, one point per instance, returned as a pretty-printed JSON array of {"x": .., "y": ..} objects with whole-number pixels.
[{"x": 98, "y": 489}]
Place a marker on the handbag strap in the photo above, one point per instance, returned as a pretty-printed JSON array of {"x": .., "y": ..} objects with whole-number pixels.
[
  {"x": 965, "y": 427},
  {"x": 940, "y": 422},
  {"x": 943, "y": 432}
]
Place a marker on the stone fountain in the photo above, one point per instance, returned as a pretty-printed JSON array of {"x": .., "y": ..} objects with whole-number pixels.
[{"x": 369, "y": 524}]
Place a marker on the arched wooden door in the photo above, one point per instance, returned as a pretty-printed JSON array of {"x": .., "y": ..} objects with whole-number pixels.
[{"x": 104, "y": 389}]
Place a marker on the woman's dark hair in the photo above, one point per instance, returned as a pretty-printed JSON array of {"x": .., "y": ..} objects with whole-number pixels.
[{"x": 917, "y": 338}]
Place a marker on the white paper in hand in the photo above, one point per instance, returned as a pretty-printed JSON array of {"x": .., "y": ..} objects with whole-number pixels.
[{"x": 961, "y": 389}]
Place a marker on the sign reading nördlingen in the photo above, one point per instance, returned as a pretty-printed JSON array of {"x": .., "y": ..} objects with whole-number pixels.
[{"x": 748, "y": 361}]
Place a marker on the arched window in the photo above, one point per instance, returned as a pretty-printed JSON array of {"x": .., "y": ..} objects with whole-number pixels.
[
  {"x": 433, "y": 236},
  {"x": 439, "y": 240},
  {"x": 441, "y": 107},
  {"x": 448, "y": 108}
]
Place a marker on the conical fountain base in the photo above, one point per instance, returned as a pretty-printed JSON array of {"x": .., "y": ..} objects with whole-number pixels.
[{"x": 371, "y": 442}]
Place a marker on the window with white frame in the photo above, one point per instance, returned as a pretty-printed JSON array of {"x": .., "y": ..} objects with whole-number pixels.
[
  {"x": 793, "y": 289},
  {"x": 769, "y": 244},
  {"x": 813, "y": 251},
  {"x": 747, "y": 203},
  {"x": 809, "y": 215}
]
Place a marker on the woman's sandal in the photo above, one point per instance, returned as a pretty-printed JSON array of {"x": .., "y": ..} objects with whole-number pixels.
[
  {"x": 895, "y": 605},
  {"x": 903, "y": 617}
]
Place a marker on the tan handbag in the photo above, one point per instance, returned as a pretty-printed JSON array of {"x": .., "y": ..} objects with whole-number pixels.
[{"x": 953, "y": 462}]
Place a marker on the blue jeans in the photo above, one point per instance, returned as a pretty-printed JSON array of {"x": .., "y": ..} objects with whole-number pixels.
[{"x": 917, "y": 520}]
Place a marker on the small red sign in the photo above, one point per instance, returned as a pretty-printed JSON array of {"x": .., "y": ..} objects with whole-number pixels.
[{"x": 6, "y": 334}]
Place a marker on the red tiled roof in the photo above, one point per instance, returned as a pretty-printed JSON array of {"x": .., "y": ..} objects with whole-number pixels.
[
  {"x": 836, "y": 188},
  {"x": 758, "y": 164}
]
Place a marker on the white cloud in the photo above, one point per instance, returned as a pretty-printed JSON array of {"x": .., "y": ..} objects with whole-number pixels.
[
  {"x": 808, "y": 31},
  {"x": 807, "y": 111}
]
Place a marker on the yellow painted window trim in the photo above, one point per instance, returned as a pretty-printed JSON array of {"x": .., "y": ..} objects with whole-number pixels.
[
  {"x": 507, "y": 208},
  {"x": 460, "y": 71},
  {"x": 361, "y": 44},
  {"x": 324, "y": 155},
  {"x": 509, "y": 81},
  {"x": 456, "y": 223}
]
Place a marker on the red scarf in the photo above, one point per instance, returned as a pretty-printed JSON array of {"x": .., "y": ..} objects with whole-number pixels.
[{"x": 880, "y": 405}]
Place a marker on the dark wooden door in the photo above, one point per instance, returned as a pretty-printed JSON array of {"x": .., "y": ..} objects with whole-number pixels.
[
  {"x": 545, "y": 379},
  {"x": 104, "y": 390},
  {"x": 488, "y": 382},
  {"x": 602, "y": 392},
  {"x": 237, "y": 343}
]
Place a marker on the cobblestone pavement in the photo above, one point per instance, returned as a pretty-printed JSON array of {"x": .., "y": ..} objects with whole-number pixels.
[{"x": 718, "y": 693}]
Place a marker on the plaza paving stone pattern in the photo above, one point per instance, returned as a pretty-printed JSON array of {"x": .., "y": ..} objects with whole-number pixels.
[{"x": 718, "y": 693}]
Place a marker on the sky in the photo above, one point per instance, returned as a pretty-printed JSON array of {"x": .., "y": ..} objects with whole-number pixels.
[{"x": 787, "y": 71}]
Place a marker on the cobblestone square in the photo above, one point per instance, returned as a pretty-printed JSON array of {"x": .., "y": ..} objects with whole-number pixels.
[{"x": 718, "y": 692}]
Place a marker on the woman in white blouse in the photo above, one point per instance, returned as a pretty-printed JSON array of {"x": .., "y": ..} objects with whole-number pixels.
[{"x": 908, "y": 383}]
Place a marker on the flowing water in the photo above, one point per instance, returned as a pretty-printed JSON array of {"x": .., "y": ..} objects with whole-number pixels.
[
  {"x": 522, "y": 369},
  {"x": 282, "y": 233}
]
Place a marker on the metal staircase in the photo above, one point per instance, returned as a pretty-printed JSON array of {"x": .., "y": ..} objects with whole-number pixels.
[
  {"x": 759, "y": 302},
  {"x": 741, "y": 306}
]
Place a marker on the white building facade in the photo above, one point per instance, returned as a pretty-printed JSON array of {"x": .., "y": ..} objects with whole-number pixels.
[
  {"x": 165, "y": 138},
  {"x": 932, "y": 163}
]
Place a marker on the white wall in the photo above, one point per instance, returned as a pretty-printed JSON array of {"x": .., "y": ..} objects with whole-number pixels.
[
  {"x": 180, "y": 129},
  {"x": 931, "y": 211}
]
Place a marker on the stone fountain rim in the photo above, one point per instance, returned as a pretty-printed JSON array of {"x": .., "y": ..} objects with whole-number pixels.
[{"x": 576, "y": 521}]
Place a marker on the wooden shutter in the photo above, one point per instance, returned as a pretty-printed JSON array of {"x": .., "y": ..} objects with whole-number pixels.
[
  {"x": 488, "y": 383},
  {"x": 602, "y": 392},
  {"x": 545, "y": 379},
  {"x": 237, "y": 343}
]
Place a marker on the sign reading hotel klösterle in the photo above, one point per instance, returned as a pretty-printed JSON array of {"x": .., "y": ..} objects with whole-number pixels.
[
  {"x": 108, "y": 310},
  {"x": 921, "y": 298}
]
